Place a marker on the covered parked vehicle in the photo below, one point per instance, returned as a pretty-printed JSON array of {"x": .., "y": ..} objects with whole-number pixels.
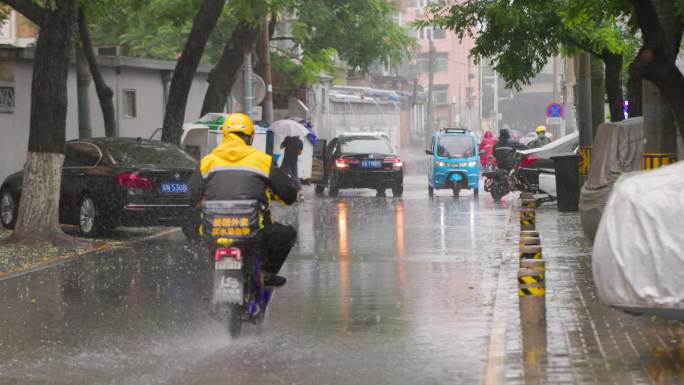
[
  {"x": 618, "y": 148},
  {"x": 639, "y": 248},
  {"x": 107, "y": 182}
]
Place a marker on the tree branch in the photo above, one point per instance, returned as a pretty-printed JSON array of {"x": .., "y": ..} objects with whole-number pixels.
[
  {"x": 28, "y": 8},
  {"x": 104, "y": 93}
]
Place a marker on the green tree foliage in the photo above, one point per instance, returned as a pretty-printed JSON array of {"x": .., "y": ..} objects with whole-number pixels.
[
  {"x": 360, "y": 32},
  {"x": 156, "y": 29},
  {"x": 519, "y": 37}
]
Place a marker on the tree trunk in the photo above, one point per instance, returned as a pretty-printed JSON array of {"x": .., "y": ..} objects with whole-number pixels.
[
  {"x": 183, "y": 75},
  {"x": 223, "y": 75},
  {"x": 613, "y": 75},
  {"x": 85, "y": 129},
  {"x": 38, "y": 217},
  {"x": 598, "y": 93},
  {"x": 104, "y": 93},
  {"x": 661, "y": 29},
  {"x": 635, "y": 90}
]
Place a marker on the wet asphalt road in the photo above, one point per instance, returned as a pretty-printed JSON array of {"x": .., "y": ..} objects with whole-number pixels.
[{"x": 380, "y": 291}]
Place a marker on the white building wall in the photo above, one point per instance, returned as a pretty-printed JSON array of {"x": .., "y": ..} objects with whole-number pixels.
[{"x": 14, "y": 126}]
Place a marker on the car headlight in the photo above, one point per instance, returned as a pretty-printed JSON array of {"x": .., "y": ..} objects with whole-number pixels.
[
  {"x": 441, "y": 164},
  {"x": 472, "y": 164}
]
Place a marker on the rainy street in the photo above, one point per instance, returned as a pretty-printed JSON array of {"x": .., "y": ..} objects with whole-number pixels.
[
  {"x": 468, "y": 192},
  {"x": 380, "y": 291}
]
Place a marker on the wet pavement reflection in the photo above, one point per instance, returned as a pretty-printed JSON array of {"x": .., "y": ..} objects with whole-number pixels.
[{"x": 380, "y": 291}]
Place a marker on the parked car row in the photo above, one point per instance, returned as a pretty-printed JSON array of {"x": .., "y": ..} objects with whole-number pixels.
[{"x": 107, "y": 182}]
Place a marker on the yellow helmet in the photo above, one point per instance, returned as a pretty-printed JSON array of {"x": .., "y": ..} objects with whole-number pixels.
[
  {"x": 540, "y": 129},
  {"x": 237, "y": 123}
]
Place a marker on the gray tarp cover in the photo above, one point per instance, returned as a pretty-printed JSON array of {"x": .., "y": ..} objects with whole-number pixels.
[
  {"x": 638, "y": 255},
  {"x": 618, "y": 148}
]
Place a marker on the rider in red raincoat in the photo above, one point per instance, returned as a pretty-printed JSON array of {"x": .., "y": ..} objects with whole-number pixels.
[{"x": 487, "y": 150}]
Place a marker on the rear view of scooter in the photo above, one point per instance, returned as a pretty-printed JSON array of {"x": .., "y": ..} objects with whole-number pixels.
[
  {"x": 498, "y": 182},
  {"x": 231, "y": 232},
  {"x": 514, "y": 174}
]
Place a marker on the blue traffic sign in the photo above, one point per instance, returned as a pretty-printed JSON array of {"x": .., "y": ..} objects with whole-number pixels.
[{"x": 554, "y": 110}]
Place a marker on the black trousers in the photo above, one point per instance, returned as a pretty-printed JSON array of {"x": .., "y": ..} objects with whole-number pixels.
[{"x": 277, "y": 241}]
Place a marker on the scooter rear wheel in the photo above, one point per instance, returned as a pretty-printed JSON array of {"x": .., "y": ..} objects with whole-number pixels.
[
  {"x": 498, "y": 191},
  {"x": 233, "y": 314}
]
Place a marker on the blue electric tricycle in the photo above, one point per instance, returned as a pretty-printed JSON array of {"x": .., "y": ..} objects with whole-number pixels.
[{"x": 453, "y": 161}]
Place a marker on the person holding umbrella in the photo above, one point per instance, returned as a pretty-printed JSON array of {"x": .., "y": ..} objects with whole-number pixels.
[{"x": 292, "y": 147}]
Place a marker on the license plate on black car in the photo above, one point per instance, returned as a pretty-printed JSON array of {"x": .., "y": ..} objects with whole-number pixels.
[
  {"x": 371, "y": 163},
  {"x": 174, "y": 188}
]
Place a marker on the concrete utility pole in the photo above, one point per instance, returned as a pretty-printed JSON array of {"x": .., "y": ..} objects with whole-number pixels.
[
  {"x": 598, "y": 86},
  {"x": 555, "y": 80},
  {"x": 248, "y": 94},
  {"x": 430, "y": 116},
  {"x": 584, "y": 111},
  {"x": 497, "y": 126},
  {"x": 83, "y": 80},
  {"x": 266, "y": 69},
  {"x": 556, "y": 128}
]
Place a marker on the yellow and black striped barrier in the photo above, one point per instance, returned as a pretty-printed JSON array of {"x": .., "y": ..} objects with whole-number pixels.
[
  {"x": 531, "y": 252},
  {"x": 534, "y": 277},
  {"x": 530, "y": 290},
  {"x": 527, "y": 219},
  {"x": 585, "y": 160},
  {"x": 529, "y": 203},
  {"x": 653, "y": 161},
  {"x": 531, "y": 295}
]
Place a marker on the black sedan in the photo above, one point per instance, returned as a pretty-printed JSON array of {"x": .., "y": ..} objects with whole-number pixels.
[
  {"x": 107, "y": 182},
  {"x": 362, "y": 161}
]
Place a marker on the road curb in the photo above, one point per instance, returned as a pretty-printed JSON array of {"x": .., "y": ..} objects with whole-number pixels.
[
  {"x": 495, "y": 363},
  {"x": 99, "y": 248}
]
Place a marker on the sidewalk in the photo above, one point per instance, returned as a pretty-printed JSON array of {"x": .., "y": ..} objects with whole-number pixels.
[
  {"x": 584, "y": 342},
  {"x": 15, "y": 259}
]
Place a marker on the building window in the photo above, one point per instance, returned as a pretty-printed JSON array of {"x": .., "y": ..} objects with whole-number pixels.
[
  {"x": 6, "y": 96},
  {"x": 420, "y": 3},
  {"x": 432, "y": 33},
  {"x": 441, "y": 62},
  {"x": 440, "y": 94},
  {"x": 129, "y": 104}
]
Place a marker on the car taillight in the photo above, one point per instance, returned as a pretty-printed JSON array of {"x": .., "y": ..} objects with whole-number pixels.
[
  {"x": 345, "y": 162},
  {"x": 133, "y": 180},
  {"x": 396, "y": 162},
  {"x": 528, "y": 160},
  {"x": 227, "y": 253}
]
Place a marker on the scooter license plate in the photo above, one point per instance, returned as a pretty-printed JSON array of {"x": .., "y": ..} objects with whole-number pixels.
[
  {"x": 228, "y": 264},
  {"x": 228, "y": 289}
]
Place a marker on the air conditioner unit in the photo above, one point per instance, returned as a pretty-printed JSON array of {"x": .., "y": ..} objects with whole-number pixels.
[{"x": 109, "y": 50}]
